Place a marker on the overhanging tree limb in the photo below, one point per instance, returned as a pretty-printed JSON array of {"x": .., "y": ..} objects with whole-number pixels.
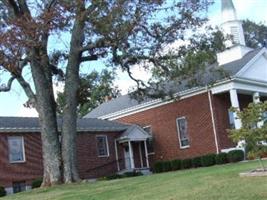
[{"x": 7, "y": 87}]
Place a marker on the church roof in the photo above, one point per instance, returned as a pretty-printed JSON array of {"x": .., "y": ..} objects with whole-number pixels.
[
  {"x": 125, "y": 102},
  {"x": 31, "y": 124}
]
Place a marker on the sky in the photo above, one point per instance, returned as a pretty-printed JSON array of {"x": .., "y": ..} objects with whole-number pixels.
[{"x": 11, "y": 103}]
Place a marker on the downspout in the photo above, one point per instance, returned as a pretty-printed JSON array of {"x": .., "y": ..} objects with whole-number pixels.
[{"x": 213, "y": 121}]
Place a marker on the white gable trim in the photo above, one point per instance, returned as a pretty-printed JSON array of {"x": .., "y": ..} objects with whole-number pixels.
[
  {"x": 241, "y": 84},
  {"x": 253, "y": 60},
  {"x": 134, "y": 133}
]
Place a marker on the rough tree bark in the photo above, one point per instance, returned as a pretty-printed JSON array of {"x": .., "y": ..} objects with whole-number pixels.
[
  {"x": 46, "y": 107},
  {"x": 71, "y": 90},
  {"x": 43, "y": 98}
]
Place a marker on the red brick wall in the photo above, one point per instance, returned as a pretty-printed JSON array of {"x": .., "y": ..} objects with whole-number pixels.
[
  {"x": 89, "y": 164},
  {"x": 28, "y": 171},
  {"x": 221, "y": 104},
  {"x": 163, "y": 121}
]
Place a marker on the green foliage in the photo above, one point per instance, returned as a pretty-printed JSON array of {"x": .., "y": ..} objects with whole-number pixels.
[
  {"x": 187, "y": 163},
  {"x": 132, "y": 174},
  {"x": 167, "y": 166},
  {"x": 253, "y": 130},
  {"x": 255, "y": 34},
  {"x": 193, "y": 63},
  {"x": 113, "y": 176},
  {"x": 158, "y": 167},
  {"x": 162, "y": 166},
  {"x": 235, "y": 155},
  {"x": 176, "y": 165},
  {"x": 94, "y": 89},
  {"x": 221, "y": 158},
  {"x": 2, "y": 191},
  {"x": 208, "y": 160},
  {"x": 125, "y": 175},
  {"x": 37, "y": 183},
  {"x": 196, "y": 162}
]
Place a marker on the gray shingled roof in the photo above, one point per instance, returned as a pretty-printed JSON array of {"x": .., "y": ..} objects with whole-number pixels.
[
  {"x": 31, "y": 124},
  {"x": 233, "y": 67},
  {"x": 212, "y": 75}
]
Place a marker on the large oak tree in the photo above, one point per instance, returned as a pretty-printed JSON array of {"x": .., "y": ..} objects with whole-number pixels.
[{"x": 124, "y": 33}]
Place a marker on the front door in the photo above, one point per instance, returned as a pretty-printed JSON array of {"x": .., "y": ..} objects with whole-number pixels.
[{"x": 127, "y": 157}]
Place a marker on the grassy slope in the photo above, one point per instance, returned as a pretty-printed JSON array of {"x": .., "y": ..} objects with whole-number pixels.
[{"x": 217, "y": 182}]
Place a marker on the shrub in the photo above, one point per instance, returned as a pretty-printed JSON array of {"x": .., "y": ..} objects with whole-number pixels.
[
  {"x": 208, "y": 160},
  {"x": 221, "y": 158},
  {"x": 196, "y": 162},
  {"x": 114, "y": 176},
  {"x": 167, "y": 166},
  {"x": 186, "y": 163},
  {"x": 37, "y": 183},
  {"x": 2, "y": 191},
  {"x": 158, "y": 167},
  {"x": 176, "y": 164},
  {"x": 235, "y": 155},
  {"x": 132, "y": 174}
]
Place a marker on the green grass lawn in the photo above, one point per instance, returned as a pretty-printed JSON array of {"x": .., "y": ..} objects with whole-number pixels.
[{"x": 217, "y": 182}]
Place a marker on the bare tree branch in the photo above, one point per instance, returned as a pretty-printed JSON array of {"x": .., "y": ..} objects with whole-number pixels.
[
  {"x": 23, "y": 7},
  {"x": 7, "y": 87},
  {"x": 50, "y": 4},
  {"x": 27, "y": 88},
  {"x": 13, "y": 5},
  {"x": 101, "y": 43}
]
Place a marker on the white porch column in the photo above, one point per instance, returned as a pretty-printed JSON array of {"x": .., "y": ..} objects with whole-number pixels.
[
  {"x": 256, "y": 99},
  {"x": 116, "y": 154},
  {"x": 140, "y": 154},
  {"x": 235, "y": 104},
  {"x": 131, "y": 154},
  {"x": 146, "y": 154}
]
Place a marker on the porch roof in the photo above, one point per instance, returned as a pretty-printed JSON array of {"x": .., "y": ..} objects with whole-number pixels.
[{"x": 134, "y": 133}]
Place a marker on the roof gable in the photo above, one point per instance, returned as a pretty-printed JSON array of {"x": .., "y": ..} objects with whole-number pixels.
[
  {"x": 256, "y": 68},
  {"x": 134, "y": 133}
]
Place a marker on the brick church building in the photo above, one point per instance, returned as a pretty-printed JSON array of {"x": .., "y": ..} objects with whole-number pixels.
[{"x": 124, "y": 134}]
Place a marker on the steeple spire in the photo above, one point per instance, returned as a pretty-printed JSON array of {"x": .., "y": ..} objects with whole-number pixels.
[
  {"x": 230, "y": 23},
  {"x": 228, "y": 11},
  {"x": 236, "y": 48}
]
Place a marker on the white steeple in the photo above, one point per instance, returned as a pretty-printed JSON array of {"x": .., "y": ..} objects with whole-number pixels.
[
  {"x": 236, "y": 47},
  {"x": 231, "y": 25}
]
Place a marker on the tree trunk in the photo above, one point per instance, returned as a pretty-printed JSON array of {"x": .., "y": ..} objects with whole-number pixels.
[
  {"x": 46, "y": 107},
  {"x": 69, "y": 127}
]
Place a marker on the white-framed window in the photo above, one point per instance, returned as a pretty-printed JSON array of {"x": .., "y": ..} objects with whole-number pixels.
[
  {"x": 150, "y": 141},
  {"x": 16, "y": 151},
  {"x": 181, "y": 124},
  {"x": 102, "y": 146},
  {"x": 231, "y": 119}
]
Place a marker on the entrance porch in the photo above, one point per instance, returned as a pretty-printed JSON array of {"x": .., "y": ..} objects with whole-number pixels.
[
  {"x": 236, "y": 94},
  {"x": 133, "y": 143}
]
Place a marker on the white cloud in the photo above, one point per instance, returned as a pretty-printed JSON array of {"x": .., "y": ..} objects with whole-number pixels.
[
  {"x": 125, "y": 84},
  {"x": 31, "y": 112}
]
